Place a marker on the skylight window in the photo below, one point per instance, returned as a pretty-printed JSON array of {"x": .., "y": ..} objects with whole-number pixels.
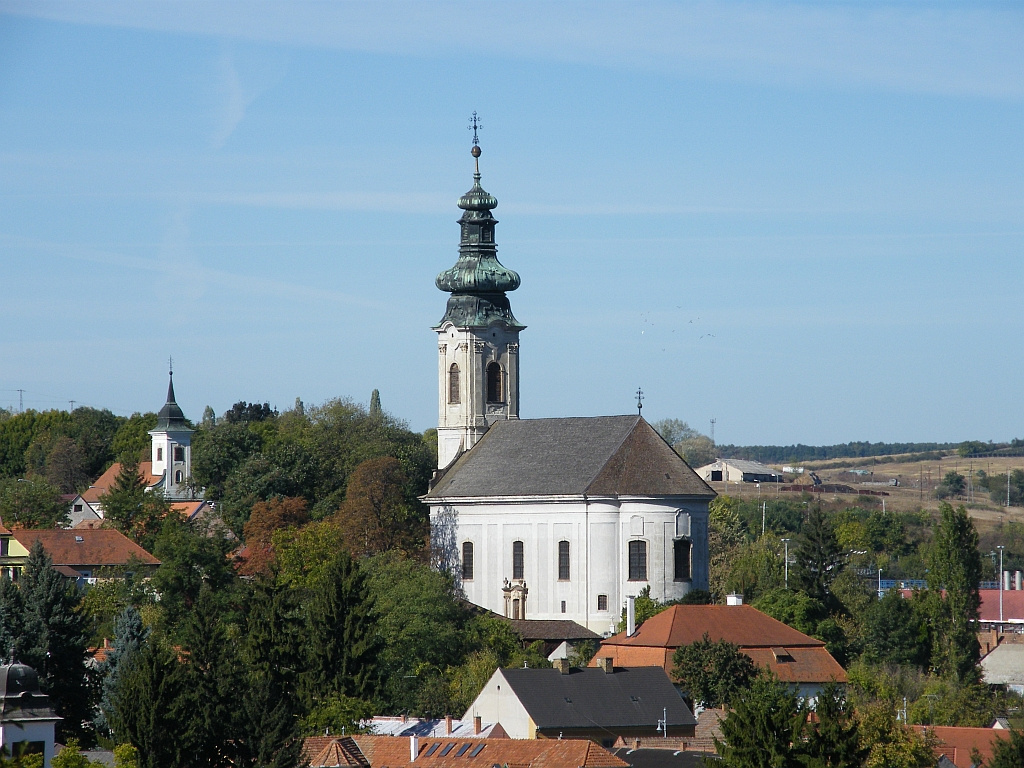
[
  {"x": 432, "y": 750},
  {"x": 448, "y": 748},
  {"x": 462, "y": 750},
  {"x": 477, "y": 750}
]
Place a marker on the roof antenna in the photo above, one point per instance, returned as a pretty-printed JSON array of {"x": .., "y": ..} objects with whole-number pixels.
[{"x": 639, "y": 400}]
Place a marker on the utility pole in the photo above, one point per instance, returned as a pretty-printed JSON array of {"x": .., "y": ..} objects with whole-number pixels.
[
  {"x": 72, "y": 404},
  {"x": 1000, "y": 547},
  {"x": 786, "y": 542},
  {"x": 713, "y": 431}
]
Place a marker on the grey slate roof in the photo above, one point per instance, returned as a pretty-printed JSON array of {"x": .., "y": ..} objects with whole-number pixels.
[
  {"x": 551, "y": 629},
  {"x": 627, "y": 697},
  {"x": 600, "y": 456}
]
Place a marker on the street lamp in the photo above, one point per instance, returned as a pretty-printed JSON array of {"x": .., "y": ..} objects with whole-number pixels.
[
  {"x": 1000, "y": 547},
  {"x": 786, "y": 542},
  {"x": 879, "y": 583}
]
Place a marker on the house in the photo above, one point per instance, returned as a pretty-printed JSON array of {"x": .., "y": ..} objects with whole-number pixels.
[
  {"x": 26, "y": 716},
  {"x": 795, "y": 658},
  {"x": 739, "y": 471},
  {"x": 1011, "y": 613},
  {"x": 12, "y": 554},
  {"x": 90, "y": 500},
  {"x": 333, "y": 752},
  {"x": 1004, "y": 665},
  {"x": 601, "y": 704},
  {"x": 86, "y": 552},
  {"x": 959, "y": 745},
  {"x": 417, "y": 726},
  {"x": 652, "y": 757},
  {"x": 454, "y": 752},
  {"x": 558, "y": 637},
  {"x": 546, "y": 518}
]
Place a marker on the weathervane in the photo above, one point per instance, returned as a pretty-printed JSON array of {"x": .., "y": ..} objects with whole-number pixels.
[
  {"x": 474, "y": 126},
  {"x": 639, "y": 400}
]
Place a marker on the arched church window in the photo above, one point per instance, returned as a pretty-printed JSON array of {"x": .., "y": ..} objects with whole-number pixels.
[
  {"x": 494, "y": 388},
  {"x": 638, "y": 561},
  {"x": 159, "y": 454},
  {"x": 454, "y": 388},
  {"x": 467, "y": 561},
  {"x": 681, "y": 549},
  {"x": 177, "y": 477},
  {"x": 517, "y": 559},
  {"x": 563, "y": 561}
]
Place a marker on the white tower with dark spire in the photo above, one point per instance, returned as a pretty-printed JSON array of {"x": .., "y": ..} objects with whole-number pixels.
[
  {"x": 172, "y": 448},
  {"x": 478, "y": 337}
]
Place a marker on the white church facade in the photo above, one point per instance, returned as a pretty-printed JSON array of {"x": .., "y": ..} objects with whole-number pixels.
[{"x": 547, "y": 518}]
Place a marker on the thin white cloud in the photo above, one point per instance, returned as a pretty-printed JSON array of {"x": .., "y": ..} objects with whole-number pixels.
[{"x": 944, "y": 48}]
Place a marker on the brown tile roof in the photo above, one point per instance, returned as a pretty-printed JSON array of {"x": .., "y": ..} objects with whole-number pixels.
[
  {"x": 333, "y": 752},
  {"x": 98, "y": 546},
  {"x": 106, "y": 480},
  {"x": 393, "y": 752},
  {"x": 958, "y": 743},
  {"x": 1013, "y": 604},
  {"x": 793, "y": 656}
]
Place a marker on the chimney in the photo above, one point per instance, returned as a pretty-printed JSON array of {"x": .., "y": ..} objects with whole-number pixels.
[
  {"x": 1006, "y": 580},
  {"x": 562, "y": 665},
  {"x": 1018, "y": 577},
  {"x": 448, "y": 725},
  {"x": 414, "y": 748},
  {"x": 405, "y": 718},
  {"x": 607, "y": 663},
  {"x": 476, "y": 725},
  {"x": 734, "y": 599},
  {"x": 630, "y": 616}
]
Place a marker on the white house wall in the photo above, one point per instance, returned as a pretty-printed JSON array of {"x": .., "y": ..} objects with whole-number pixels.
[
  {"x": 497, "y": 703},
  {"x": 598, "y": 532}
]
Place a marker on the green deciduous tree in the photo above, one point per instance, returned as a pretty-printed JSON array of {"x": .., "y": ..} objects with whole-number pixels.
[
  {"x": 892, "y": 744},
  {"x": 1008, "y": 753},
  {"x": 713, "y": 673},
  {"x": 65, "y": 466},
  {"x": 953, "y": 577},
  {"x": 31, "y": 502},
  {"x": 896, "y": 631}
]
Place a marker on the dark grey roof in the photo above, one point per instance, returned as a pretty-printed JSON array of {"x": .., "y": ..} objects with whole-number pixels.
[
  {"x": 627, "y": 697},
  {"x": 551, "y": 629},
  {"x": 20, "y": 697},
  {"x": 600, "y": 456},
  {"x": 171, "y": 417}
]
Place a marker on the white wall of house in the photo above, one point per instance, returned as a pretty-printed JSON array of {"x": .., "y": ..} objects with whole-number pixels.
[
  {"x": 598, "y": 531},
  {"x": 497, "y": 703},
  {"x": 14, "y": 732}
]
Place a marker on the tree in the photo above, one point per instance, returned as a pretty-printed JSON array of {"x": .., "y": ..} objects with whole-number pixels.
[
  {"x": 132, "y": 442},
  {"x": 12, "y": 618},
  {"x": 71, "y": 757},
  {"x": 266, "y": 519},
  {"x": 892, "y": 744},
  {"x": 725, "y": 535},
  {"x": 713, "y": 673},
  {"x": 895, "y": 631},
  {"x": 818, "y": 557},
  {"x": 1008, "y": 753},
  {"x": 953, "y": 484},
  {"x": 376, "y": 516},
  {"x": 644, "y": 607},
  {"x": 375, "y": 410},
  {"x": 65, "y": 466},
  {"x": 953, "y": 577},
  {"x": 756, "y": 568},
  {"x": 56, "y": 641},
  {"x": 762, "y": 728},
  {"x": 834, "y": 741},
  {"x": 31, "y": 503},
  {"x": 342, "y": 643},
  {"x": 130, "y": 635},
  {"x": 123, "y": 501}
]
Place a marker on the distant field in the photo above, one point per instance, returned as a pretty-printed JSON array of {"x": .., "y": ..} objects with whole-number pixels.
[{"x": 916, "y": 490}]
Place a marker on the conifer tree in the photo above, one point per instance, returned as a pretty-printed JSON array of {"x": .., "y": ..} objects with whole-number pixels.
[
  {"x": 713, "y": 673},
  {"x": 760, "y": 732},
  {"x": 954, "y": 572},
  {"x": 819, "y": 559},
  {"x": 341, "y": 639},
  {"x": 1008, "y": 753},
  {"x": 56, "y": 641},
  {"x": 122, "y": 503},
  {"x": 12, "y": 619},
  {"x": 834, "y": 741},
  {"x": 130, "y": 635},
  {"x": 147, "y": 707}
]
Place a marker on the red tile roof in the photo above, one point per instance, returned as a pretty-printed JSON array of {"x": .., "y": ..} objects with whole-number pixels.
[
  {"x": 333, "y": 752},
  {"x": 106, "y": 480},
  {"x": 958, "y": 743},
  {"x": 655, "y": 641},
  {"x": 393, "y": 752},
  {"x": 98, "y": 546},
  {"x": 1013, "y": 604}
]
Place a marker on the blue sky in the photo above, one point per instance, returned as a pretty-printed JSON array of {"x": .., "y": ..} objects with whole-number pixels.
[{"x": 804, "y": 220}]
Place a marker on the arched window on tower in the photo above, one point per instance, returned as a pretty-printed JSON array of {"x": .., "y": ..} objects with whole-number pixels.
[
  {"x": 454, "y": 386},
  {"x": 494, "y": 388}
]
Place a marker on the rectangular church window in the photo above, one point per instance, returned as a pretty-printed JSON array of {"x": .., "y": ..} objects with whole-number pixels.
[
  {"x": 517, "y": 559},
  {"x": 682, "y": 550},
  {"x": 467, "y": 561},
  {"x": 638, "y": 561},
  {"x": 602, "y": 602},
  {"x": 563, "y": 561}
]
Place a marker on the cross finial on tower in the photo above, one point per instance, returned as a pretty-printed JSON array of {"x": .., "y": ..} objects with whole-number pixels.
[
  {"x": 474, "y": 126},
  {"x": 170, "y": 366},
  {"x": 639, "y": 400}
]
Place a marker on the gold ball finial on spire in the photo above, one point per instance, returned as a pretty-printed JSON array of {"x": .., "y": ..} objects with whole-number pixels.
[{"x": 475, "y": 151}]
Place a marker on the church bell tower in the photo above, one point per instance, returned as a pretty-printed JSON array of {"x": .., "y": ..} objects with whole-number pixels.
[{"x": 478, "y": 337}]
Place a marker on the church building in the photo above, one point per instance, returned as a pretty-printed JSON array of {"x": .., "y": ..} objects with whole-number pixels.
[{"x": 546, "y": 518}]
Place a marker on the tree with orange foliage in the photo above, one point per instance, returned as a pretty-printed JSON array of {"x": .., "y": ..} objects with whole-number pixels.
[
  {"x": 266, "y": 519},
  {"x": 376, "y": 515}
]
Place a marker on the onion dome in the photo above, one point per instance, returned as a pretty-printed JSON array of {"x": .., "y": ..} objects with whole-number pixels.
[
  {"x": 171, "y": 416},
  {"x": 478, "y": 281}
]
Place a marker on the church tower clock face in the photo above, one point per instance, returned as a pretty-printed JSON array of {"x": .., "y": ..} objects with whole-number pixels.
[{"x": 478, "y": 337}]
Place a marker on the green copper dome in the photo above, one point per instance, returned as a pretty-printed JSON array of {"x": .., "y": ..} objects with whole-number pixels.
[{"x": 478, "y": 281}]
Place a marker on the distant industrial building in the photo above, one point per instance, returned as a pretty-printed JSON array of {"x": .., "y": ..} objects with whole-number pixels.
[{"x": 739, "y": 471}]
